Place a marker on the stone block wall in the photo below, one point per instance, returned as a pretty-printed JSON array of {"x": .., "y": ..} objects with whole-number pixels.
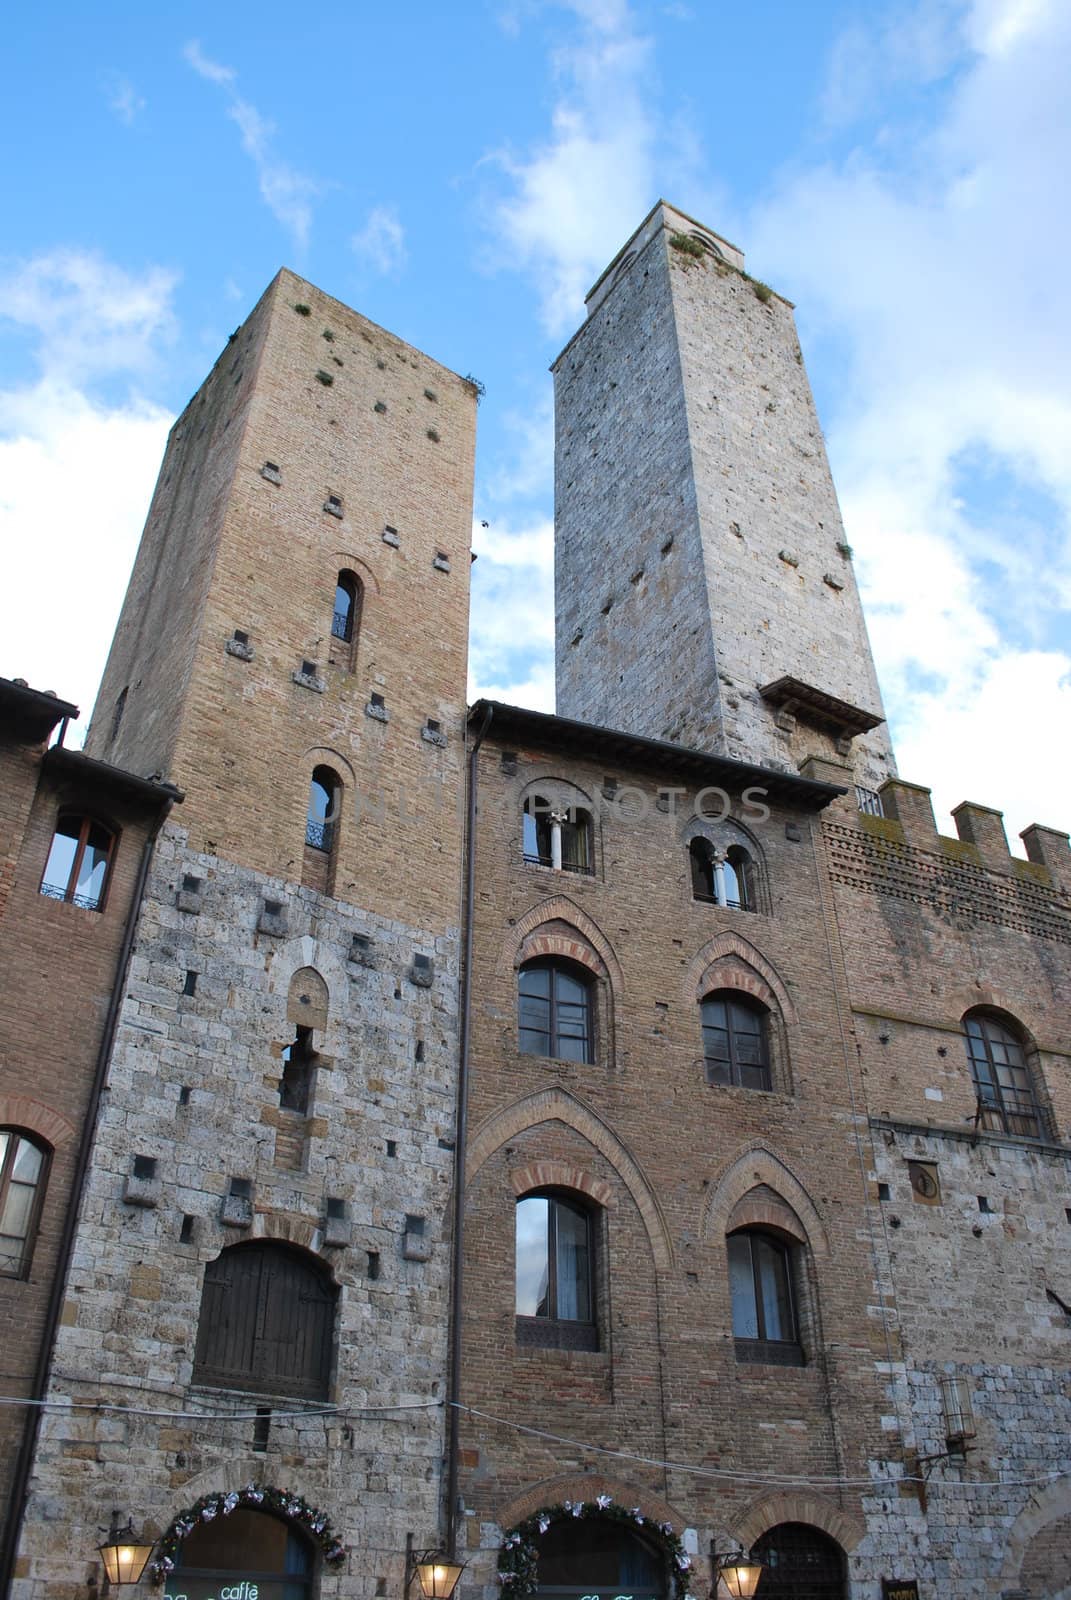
[{"x": 194, "y": 1085}]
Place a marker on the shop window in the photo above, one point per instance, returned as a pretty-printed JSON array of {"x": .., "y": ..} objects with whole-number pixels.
[
  {"x": 248, "y": 1553},
  {"x": 736, "y": 1041},
  {"x": 765, "y": 1328},
  {"x": 1002, "y": 1081},
  {"x": 266, "y": 1322},
  {"x": 555, "y": 1279},
  {"x": 23, "y": 1168},
  {"x": 596, "y": 1557},
  {"x": 556, "y": 1011},
  {"x": 79, "y": 862}
]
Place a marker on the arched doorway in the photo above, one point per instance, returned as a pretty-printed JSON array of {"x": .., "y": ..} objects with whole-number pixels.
[
  {"x": 802, "y": 1563},
  {"x": 589, "y": 1558},
  {"x": 248, "y": 1555}
]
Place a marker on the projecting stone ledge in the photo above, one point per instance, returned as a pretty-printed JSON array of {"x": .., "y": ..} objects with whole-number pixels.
[{"x": 816, "y": 706}]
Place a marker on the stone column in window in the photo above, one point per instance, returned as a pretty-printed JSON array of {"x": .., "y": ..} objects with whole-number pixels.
[
  {"x": 556, "y": 820},
  {"x": 719, "y": 881}
]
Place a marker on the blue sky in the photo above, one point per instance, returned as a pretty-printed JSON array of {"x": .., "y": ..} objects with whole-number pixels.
[{"x": 461, "y": 174}]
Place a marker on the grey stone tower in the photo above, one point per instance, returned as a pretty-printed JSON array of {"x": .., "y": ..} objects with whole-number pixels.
[{"x": 705, "y": 591}]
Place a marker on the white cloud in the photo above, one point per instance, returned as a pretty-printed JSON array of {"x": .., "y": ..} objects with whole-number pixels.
[
  {"x": 91, "y": 317},
  {"x": 76, "y": 471},
  {"x": 286, "y": 192},
  {"x": 935, "y": 269},
  {"x": 124, "y": 99},
  {"x": 511, "y": 654},
  {"x": 576, "y": 197},
  {"x": 381, "y": 242}
]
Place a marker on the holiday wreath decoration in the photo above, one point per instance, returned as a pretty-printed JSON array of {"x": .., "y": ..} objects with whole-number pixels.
[
  {"x": 518, "y": 1556},
  {"x": 260, "y": 1496}
]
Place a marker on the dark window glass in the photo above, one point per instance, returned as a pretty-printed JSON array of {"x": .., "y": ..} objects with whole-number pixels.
[
  {"x": 266, "y": 1323},
  {"x": 296, "y": 1081},
  {"x": 554, "y": 1272},
  {"x": 249, "y": 1546},
  {"x": 701, "y": 858},
  {"x": 734, "y": 1043},
  {"x": 554, "y": 1012},
  {"x": 325, "y": 794},
  {"x": 1001, "y": 1078},
  {"x": 77, "y": 866},
  {"x": 802, "y": 1563},
  {"x": 346, "y": 622},
  {"x": 760, "y": 1286},
  {"x": 598, "y": 1558},
  {"x": 22, "y": 1172}
]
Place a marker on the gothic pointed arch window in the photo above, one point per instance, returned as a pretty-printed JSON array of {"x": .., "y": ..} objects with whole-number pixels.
[
  {"x": 556, "y": 1010},
  {"x": 555, "y": 1271},
  {"x": 762, "y": 1270},
  {"x": 248, "y": 1552},
  {"x": 736, "y": 1040},
  {"x": 1003, "y": 1082},
  {"x": 266, "y": 1322},
  {"x": 801, "y": 1563}
]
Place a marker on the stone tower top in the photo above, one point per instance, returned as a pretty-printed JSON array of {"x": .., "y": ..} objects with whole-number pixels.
[{"x": 705, "y": 591}]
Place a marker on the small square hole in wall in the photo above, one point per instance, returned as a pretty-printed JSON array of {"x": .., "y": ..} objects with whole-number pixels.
[
  {"x": 336, "y": 1207},
  {"x": 378, "y": 700},
  {"x": 433, "y": 726},
  {"x": 983, "y": 1205},
  {"x": 1067, "y": 1212},
  {"x": 186, "y": 1230},
  {"x": 184, "y": 1095},
  {"x": 262, "y": 1428},
  {"x": 392, "y": 1147},
  {"x": 333, "y": 505},
  {"x": 419, "y": 1053},
  {"x": 414, "y": 1225},
  {"x": 433, "y": 435},
  {"x": 190, "y": 984},
  {"x": 240, "y": 636},
  {"x": 391, "y": 537},
  {"x": 190, "y": 884},
  {"x": 145, "y": 1167},
  {"x": 308, "y": 669},
  {"x": 373, "y": 1264},
  {"x": 242, "y": 1188},
  {"x": 884, "y": 1192}
]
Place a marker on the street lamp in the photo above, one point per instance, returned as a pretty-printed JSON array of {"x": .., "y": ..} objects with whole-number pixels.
[
  {"x": 437, "y": 1573},
  {"x": 124, "y": 1555},
  {"x": 739, "y": 1571}
]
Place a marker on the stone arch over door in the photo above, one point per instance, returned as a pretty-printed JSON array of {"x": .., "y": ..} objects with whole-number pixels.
[
  {"x": 555, "y": 1105},
  {"x": 585, "y": 1486},
  {"x": 846, "y": 1527},
  {"x": 1041, "y": 1534}
]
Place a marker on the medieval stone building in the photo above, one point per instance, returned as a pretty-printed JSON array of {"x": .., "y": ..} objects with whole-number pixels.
[{"x": 603, "y": 1141}]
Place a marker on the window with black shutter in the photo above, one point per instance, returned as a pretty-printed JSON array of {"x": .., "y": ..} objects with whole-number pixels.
[{"x": 267, "y": 1322}]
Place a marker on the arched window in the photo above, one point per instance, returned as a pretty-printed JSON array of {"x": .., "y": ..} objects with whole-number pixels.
[
  {"x": 724, "y": 879},
  {"x": 78, "y": 862},
  {"x": 555, "y": 1287},
  {"x": 595, "y": 1557},
  {"x": 248, "y": 1552},
  {"x": 765, "y": 1327},
  {"x": 23, "y": 1167},
  {"x": 556, "y": 835},
  {"x": 298, "y": 1064},
  {"x": 801, "y": 1561},
  {"x": 735, "y": 1041},
  {"x": 325, "y": 798},
  {"x": 555, "y": 1011},
  {"x": 349, "y": 596},
  {"x": 267, "y": 1322},
  {"x": 1001, "y": 1077}
]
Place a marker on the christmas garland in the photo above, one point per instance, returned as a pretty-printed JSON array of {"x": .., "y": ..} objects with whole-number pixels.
[
  {"x": 518, "y": 1556},
  {"x": 293, "y": 1507}
]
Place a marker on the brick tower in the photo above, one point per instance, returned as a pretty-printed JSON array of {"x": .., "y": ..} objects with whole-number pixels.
[
  {"x": 265, "y": 1214},
  {"x": 692, "y": 484}
]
